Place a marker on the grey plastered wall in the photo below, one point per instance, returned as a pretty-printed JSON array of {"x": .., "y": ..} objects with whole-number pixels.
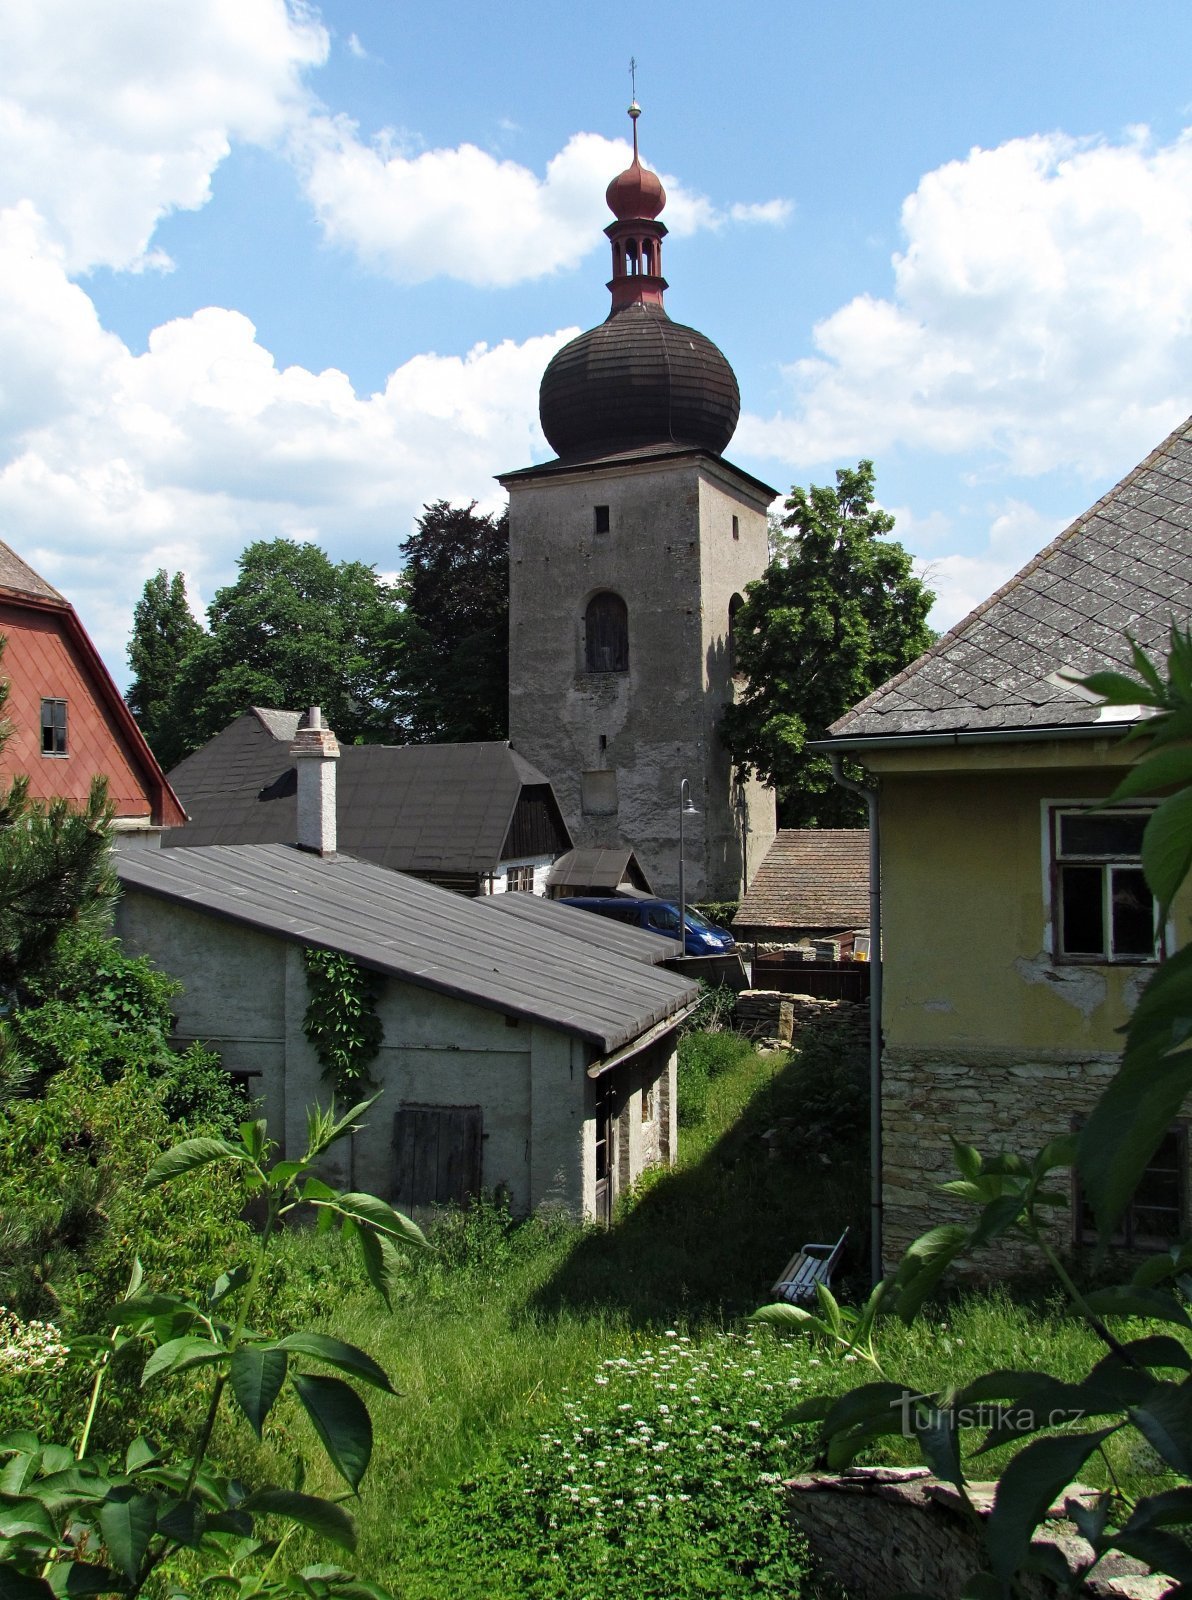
[
  {"x": 670, "y": 554},
  {"x": 234, "y": 988}
]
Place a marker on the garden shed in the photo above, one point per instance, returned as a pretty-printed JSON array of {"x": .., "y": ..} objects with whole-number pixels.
[{"x": 518, "y": 1053}]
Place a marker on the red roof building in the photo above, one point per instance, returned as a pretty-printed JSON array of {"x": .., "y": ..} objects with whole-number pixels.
[{"x": 67, "y": 720}]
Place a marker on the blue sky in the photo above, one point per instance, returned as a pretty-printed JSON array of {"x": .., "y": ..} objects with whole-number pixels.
[{"x": 276, "y": 269}]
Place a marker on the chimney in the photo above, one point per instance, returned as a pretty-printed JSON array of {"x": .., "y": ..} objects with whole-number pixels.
[{"x": 315, "y": 751}]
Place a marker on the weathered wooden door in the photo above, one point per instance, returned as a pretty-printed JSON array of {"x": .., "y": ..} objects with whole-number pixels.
[
  {"x": 437, "y": 1154},
  {"x": 606, "y": 1156}
]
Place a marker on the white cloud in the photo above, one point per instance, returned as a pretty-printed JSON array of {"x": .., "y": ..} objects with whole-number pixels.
[
  {"x": 115, "y": 112},
  {"x": 116, "y": 464},
  {"x": 1041, "y": 316},
  {"x": 1016, "y": 534},
  {"x": 774, "y": 212},
  {"x": 464, "y": 213}
]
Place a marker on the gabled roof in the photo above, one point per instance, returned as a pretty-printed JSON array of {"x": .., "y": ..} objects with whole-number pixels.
[
  {"x": 811, "y": 878},
  {"x": 592, "y": 866},
  {"x": 1124, "y": 567},
  {"x": 417, "y": 932},
  {"x": 412, "y": 808},
  {"x": 21, "y": 587},
  {"x": 19, "y": 577}
]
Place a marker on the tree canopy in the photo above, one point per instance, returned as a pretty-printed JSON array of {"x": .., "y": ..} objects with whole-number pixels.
[
  {"x": 294, "y": 629},
  {"x": 454, "y": 673},
  {"x": 163, "y": 630},
  {"x": 836, "y": 613}
]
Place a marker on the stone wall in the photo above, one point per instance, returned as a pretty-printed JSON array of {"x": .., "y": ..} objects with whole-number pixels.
[
  {"x": 994, "y": 1099},
  {"x": 788, "y": 1018},
  {"x": 895, "y": 1530}
]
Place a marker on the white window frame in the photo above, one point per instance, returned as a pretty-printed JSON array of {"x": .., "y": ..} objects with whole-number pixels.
[{"x": 1055, "y": 861}]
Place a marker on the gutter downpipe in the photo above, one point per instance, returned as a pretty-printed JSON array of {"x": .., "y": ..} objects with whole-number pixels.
[{"x": 869, "y": 795}]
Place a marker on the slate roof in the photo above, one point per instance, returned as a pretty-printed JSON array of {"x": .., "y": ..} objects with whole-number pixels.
[
  {"x": 570, "y": 921},
  {"x": 811, "y": 878},
  {"x": 412, "y": 808},
  {"x": 20, "y": 577},
  {"x": 415, "y": 931},
  {"x": 1124, "y": 567}
]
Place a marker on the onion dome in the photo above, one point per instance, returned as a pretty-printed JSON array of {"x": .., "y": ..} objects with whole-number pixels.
[
  {"x": 639, "y": 379},
  {"x": 637, "y": 192}
]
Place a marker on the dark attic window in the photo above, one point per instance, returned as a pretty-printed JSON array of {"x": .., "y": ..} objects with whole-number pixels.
[
  {"x": 601, "y": 518},
  {"x": 53, "y": 727}
]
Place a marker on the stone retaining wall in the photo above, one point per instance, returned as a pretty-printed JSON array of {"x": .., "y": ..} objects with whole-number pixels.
[
  {"x": 994, "y": 1099},
  {"x": 896, "y": 1530},
  {"x": 773, "y": 1014}
]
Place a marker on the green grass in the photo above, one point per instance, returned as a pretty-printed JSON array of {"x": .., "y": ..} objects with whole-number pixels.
[
  {"x": 530, "y": 1358},
  {"x": 504, "y": 1326}
]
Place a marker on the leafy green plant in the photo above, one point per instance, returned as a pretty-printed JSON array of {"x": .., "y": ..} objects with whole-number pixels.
[
  {"x": 341, "y": 1019},
  {"x": 1141, "y": 1386},
  {"x": 661, "y": 1476},
  {"x": 78, "y": 1522}
]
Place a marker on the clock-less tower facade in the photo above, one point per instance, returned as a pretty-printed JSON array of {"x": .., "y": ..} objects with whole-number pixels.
[{"x": 629, "y": 554}]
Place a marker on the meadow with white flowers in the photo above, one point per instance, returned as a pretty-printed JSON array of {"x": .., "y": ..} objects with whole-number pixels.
[{"x": 660, "y": 1477}]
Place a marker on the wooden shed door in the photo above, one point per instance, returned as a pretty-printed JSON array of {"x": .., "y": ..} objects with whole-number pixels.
[
  {"x": 606, "y": 1153},
  {"x": 437, "y": 1154}
]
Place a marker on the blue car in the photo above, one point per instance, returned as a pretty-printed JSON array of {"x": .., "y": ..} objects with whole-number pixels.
[{"x": 700, "y": 937}]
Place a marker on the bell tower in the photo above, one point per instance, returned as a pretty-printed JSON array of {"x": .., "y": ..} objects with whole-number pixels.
[{"x": 629, "y": 554}]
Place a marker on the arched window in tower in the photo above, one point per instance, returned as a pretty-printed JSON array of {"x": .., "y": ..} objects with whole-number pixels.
[
  {"x": 606, "y": 634},
  {"x": 631, "y": 265},
  {"x": 648, "y": 265},
  {"x": 734, "y": 606}
]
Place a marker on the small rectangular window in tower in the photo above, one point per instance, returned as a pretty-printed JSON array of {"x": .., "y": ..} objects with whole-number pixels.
[
  {"x": 736, "y": 527},
  {"x": 601, "y": 519},
  {"x": 53, "y": 727}
]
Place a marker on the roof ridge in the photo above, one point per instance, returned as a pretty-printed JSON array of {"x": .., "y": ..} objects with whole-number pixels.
[
  {"x": 15, "y": 572},
  {"x": 957, "y": 631}
]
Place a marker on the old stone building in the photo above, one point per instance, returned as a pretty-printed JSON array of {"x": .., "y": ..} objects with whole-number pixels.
[{"x": 629, "y": 554}]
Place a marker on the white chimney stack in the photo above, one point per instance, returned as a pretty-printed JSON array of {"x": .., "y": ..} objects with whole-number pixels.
[{"x": 315, "y": 751}]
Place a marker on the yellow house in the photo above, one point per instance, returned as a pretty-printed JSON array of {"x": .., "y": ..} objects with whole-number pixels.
[{"x": 1018, "y": 930}]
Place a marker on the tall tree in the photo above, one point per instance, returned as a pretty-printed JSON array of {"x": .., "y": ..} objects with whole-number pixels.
[
  {"x": 163, "y": 630},
  {"x": 294, "y": 629},
  {"x": 837, "y": 612},
  {"x": 455, "y": 670}
]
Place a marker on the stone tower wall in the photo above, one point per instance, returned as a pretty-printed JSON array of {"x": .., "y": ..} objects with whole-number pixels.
[{"x": 670, "y": 554}]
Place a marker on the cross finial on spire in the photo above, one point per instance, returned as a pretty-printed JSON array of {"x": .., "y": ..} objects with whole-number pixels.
[{"x": 633, "y": 79}]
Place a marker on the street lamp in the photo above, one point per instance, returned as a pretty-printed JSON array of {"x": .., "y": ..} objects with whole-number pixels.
[{"x": 687, "y": 808}]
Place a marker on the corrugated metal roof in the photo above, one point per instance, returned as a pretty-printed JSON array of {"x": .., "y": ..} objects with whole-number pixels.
[
  {"x": 414, "y": 931},
  {"x": 1123, "y": 568},
  {"x": 433, "y": 808},
  {"x": 593, "y": 930},
  {"x": 810, "y": 878},
  {"x": 592, "y": 865}
]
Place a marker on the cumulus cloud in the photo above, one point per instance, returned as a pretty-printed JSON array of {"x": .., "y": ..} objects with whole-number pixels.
[
  {"x": 774, "y": 212},
  {"x": 1016, "y": 533},
  {"x": 464, "y": 213},
  {"x": 115, "y": 112},
  {"x": 1041, "y": 316},
  {"x": 116, "y": 464}
]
